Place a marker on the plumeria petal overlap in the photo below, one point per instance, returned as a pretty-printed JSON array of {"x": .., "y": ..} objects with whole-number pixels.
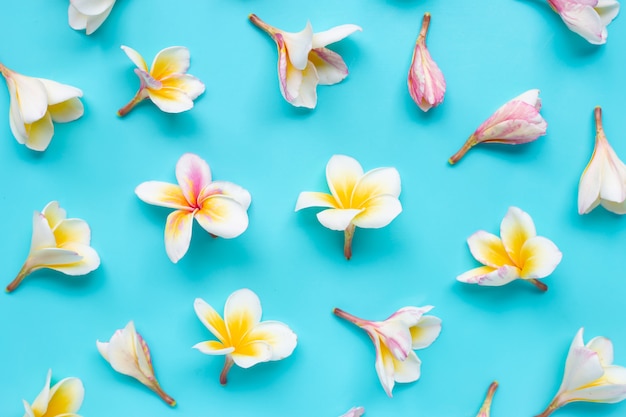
[
  {"x": 517, "y": 254},
  {"x": 354, "y": 412},
  {"x": 588, "y": 18},
  {"x": 517, "y": 121},
  {"x": 356, "y": 199},
  {"x": 58, "y": 243},
  {"x": 220, "y": 207},
  {"x": 395, "y": 340},
  {"x": 64, "y": 399},
  {"x": 35, "y": 103},
  {"x": 242, "y": 337},
  {"x": 166, "y": 83},
  {"x": 89, "y": 15},
  {"x": 129, "y": 354},
  {"x": 304, "y": 61}
]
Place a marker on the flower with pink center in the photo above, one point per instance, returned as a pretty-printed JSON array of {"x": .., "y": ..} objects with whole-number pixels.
[{"x": 588, "y": 18}]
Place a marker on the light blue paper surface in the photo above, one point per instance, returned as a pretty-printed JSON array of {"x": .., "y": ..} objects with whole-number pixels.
[{"x": 489, "y": 52}]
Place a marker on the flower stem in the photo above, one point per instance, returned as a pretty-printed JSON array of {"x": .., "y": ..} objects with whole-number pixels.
[
  {"x": 228, "y": 363},
  {"x": 599, "y": 128},
  {"x": 139, "y": 97},
  {"x": 485, "y": 410},
  {"x": 26, "y": 269},
  {"x": 424, "y": 29},
  {"x": 554, "y": 405},
  {"x": 164, "y": 396},
  {"x": 543, "y": 287},
  {"x": 469, "y": 143},
  {"x": 347, "y": 316},
  {"x": 347, "y": 244},
  {"x": 270, "y": 30},
  {"x": 4, "y": 70}
]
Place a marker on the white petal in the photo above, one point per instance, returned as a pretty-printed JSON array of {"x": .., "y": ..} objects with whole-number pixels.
[
  {"x": 123, "y": 355},
  {"x": 487, "y": 276},
  {"x": 42, "y": 237},
  {"x": 66, "y": 397},
  {"x": 407, "y": 370},
  {"x": 530, "y": 97},
  {"x": 92, "y": 7},
  {"x": 242, "y": 312},
  {"x": 58, "y": 93},
  {"x": 89, "y": 260},
  {"x": 516, "y": 228},
  {"x": 256, "y": 352},
  {"x": 611, "y": 388},
  {"x": 211, "y": 319},
  {"x": 488, "y": 249},
  {"x": 222, "y": 216},
  {"x": 299, "y": 45},
  {"x": 135, "y": 57},
  {"x": 103, "y": 348},
  {"x": 582, "y": 365},
  {"x": 379, "y": 181},
  {"x": 178, "y": 229},
  {"x": 321, "y": 39},
  {"x": 171, "y": 100},
  {"x": 378, "y": 212},
  {"x": 29, "y": 95},
  {"x": 67, "y": 111},
  {"x": 213, "y": 347},
  {"x": 337, "y": 219},
  {"x": 278, "y": 335},
  {"x": 308, "y": 199},
  {"x": 76, "y": 19},
  {"x": 329, "y": 66},
  {"x": 591, "y": 182},
  {"x": 40, "y": 133},
  {"x": 540, "y": 257},
  {"x": 40, "y": 405},
  {"x": 342, "y": 175},
  {"x": 94, "y": 22},
  {"x": 170, "y": 61},
  {"x": 604, "y": 348},
  {"x": 162, "y": 194},
  {"x": 54, "y": 258},
  {"x": 586, "y": 22},
  {"x": 608, "y": 10},
  {"x": 384, "y": 365},
  {"x": 425, "y": 332},
  {"x": 234, "y": 191}
]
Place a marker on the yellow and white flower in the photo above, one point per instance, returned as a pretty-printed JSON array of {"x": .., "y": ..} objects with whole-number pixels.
[
  {"x": 58, "y": 243},
  {"x": 368, "y": 200},
  {"x": 88, "y": 15},
  {"x": 243, "y": 338},
  {"x": 166, "y": 83},
  {"x": 37, "y": 102},
  {"x": 62, "y": 400},
  {"x": 129, "y": 354}
]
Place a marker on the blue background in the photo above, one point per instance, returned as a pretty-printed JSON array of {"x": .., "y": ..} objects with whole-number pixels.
[{"x": 489, "y": 52}]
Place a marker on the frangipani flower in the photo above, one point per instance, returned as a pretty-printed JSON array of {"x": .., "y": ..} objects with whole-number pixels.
[
  {"x": 395, "y": 339},
  {"x": 588, "y": 18},
  {"x": 242, "y": 336},
  {"x": 304, "y": 61},
  {"x": 89, "y": 14},
  {"x": 129, "y": 354},
  {"x": 58, "y": 243},
  {"x": 35, "y": 103},
  {"x": 367, "y": 200},
  {"x": 604, "y": 179},
  {"x": 517, "y": 254},
  {"x": 355, "y": 412},
  {"x": 516, "y": 122},
  {"x": 62, "y": 400},
  {"x": 485, "y": 409},
  {"x": 220, "y": 207},
  {"x": 589, "y": 375},
  {"x": 167, "y": 83},
  {"x": 426, "y": 83}
]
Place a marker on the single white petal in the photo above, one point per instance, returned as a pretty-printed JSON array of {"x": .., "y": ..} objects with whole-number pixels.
[
  {"x": 516, "y": 228},
  {"x": 94, "y": 22},
  {"x": 321, "y": 39},
  {"x": 378, "y": 212},
  {"x": 342, "y": 174},
  {"x": 617, "y": 208},
  {"x": 610, "y": 388},
  {"x": 58, "y": 93},
  {"x": 135, "y": 57},
  {"x": 253, "y": 353},
  {"x": 53, "y": 258},
  {"x": 337, "y": 219},
  {"x": 582, "y": 365},
  {"x": 171, "y": 100},
  {"x": 40, "y": 133},
  {"x": 54, "y": 213},
  {"x": 608, "y": 10},
  {"x": 42, "y": 237},
  {"x": 604, "y": 348},
  {"x": 585, "y": 21},
  {"x": 76, "y": 19},
  {"x": 379, "y": 181},
  {"x": 66, "y": 397},
  {"x": 242, "y": 312},
  {"x": 234, "y": 191},
  {"x": 591, "y": 182},
  {"x": 540, "y": 257},
  {"x": 211, "y": 319},
  {"x": 170, "y": 61},
  {"x": 530, "y": 97},
  {"x": 407, "y": 370},
  {"x": 162, "y": 194},
  {"x": 189, "y": 84},
  {"x": 354, "y": 412},
  {"x": 40, "y": 405},
  {"x": 278, "y": 335},
  {"x": 308, "y": 199},
  {"x": 92, "y": 7},
  {"x": 67, "y": 111},
  {"x": 178, "y": 229},
  {"x": 193, "y": 175},
  {"x": 299, "y": 45},
  {"x": 488, "y": 276},
  {"x": 329, "y": 66},
  {"x": 71, "y": 231},
  {"x": 103, "y": 348},
  {"x": 213, "y": 347},
  {"x": 30, "y": 97},
  {"x": 384, "y": 365},
  {"x": 425, "y": 332},
  {"x": 488, "y": 249},
  {"x": 222, "y": 216},
  {"x": 89, "y": 260}
]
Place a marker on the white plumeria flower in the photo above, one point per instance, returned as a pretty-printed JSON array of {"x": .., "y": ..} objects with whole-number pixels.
[
  {"x": 58, "y": 243},
  {"x": 88, "y": 15},
  {"x": 589, "y": 375},
  {"x": 485, "y": 409},
  {"x": 242, "y": 336},
  {"x": 166, "y": 83},
  {"x": 517, "y": 121},
  {"x": 395, "y": 339},
  {"x": 37, "y": 102},
  {"x": 129, "y": 354},
  {"x": 517, "y": 254},
  {"x": 604, "y": 180},
  {"x": 62, "y": 400},
  {"x": 304, "y": 61},
  {"x": 588, "y": 18},
  {"x": 219, "y": 206},
  {"x": 354, "y": 412},
  {"x": 427, "y": 85},
  {"x": 367, "y": 200}
]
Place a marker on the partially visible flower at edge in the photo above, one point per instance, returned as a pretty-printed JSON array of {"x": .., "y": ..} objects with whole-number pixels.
[
  {"x": 354, "y": 412},
  {"x": 129, "y": 354},
  {"x": 604, "y": 179},
  {"x": 517, "y": 121},
  {"x": 58, "y": 243},
  {"x": 88, "y": 14},
  {"x": 485, "y": 409},
  {"x": 589, "y": 375},
  {"x": 166, "y": 83},
  {"x": 64, "y": 399},
  {"x": 367, "y": 200},
  {"x": 426, "y": 83},
  {"x": 587, "y": 18},
  {"x": 395, "y": 340},
  {"x": 35, "y": 103}
]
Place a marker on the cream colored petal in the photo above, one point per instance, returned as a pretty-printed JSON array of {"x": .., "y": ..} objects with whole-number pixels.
[
  {"x": 170, "y": 61},
  {"x": 617, "y": 208},
  {"x": 54, "y": 258},
  {"x": 211, "y": 319},
  {"x": 613, "y": 175},
  {"x": 171, "y": 100},
  {"x": 124, "y": 356},
  {"x": 530, "y": 97},
  {"x": 40, "y": 133},
  {"x": 76, "y": 19},
  {"x": 92, "y": 7},
  {"x": 407, "y": 370},
  {"x": 591, "y": 182},
  {"x": 72, "y": 231},
  {"x": 144, "y": 358},
  {"x": 582, "y": 365},
  {"x": 342, "y": 174},
  {"x": 178, "y": 234},
  {"x": 607, "y": 10},
  {"x": 213, "y": 347},
  {"x": 337, "y": 219},
  {"x": 29, "y": 96},
  {"x": 354, "y": 412},
  {"x": 299, "y": 45},
  {"x": 585, "y": 21},
  {"x": 28, "y": 410},
  {"x": 308, "y": 199},
  {"x": 40, "y": 405},
  {"x": 396, "y": 337},
  {"x": 516, "y": 228},
  {"x": 604, "y": 348},
  {"x": 67, "y": 111},
  {"x": 489, "y": 276},
  {"x": 193, "y": 175},
  {"x": 488, "y": 249},
  {"x": 42, "y": 234},
  {"x": 539, "y": 257},
  {"x": 377, "y": 182},
  {"x": 189, "y": 84},
  {"x": 611, "y": 388},
  {"x": 425, "y": 332},
  {"x": 242, "y": 313},
  {"x": 66, "y": 397},
  {"x": 236, "y": 192},
  {"x": 378, "y": 212},
  {"x": 384, "y": 366},
  {"x": 103, "y": 349},
  {"x": 162, "y": 194},
  {"x": 410, "y": 315},
  {"x": 94, "y": 22},
  {"x": 251, "y": 353},
  {"x": 16, "y": 122},
  {"x": 89, "y": 261},
  {"x": 135, "y": 57},
  {"x": 54, "y": 213},
  {"x": 330, "y": 67},
  {"x": 297, "y": 86},
  {"x": 321, "y": 39},
  {"x": 59, "y": 93},
  {"x": 279, "y": 336},
  {"x": 222, "y": 216}
]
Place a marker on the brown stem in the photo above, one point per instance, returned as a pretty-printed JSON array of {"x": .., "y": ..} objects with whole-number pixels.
[
  {"x": 550, "y": 409},
  {"x": 26, "y": 269},
  {"x": 347, "y": 316},
  {"x": 543, "y": 287},
  {"x": 599, "y": 128},
  {"x": 424, "y": 29},
  {"x": 139, "y": 97},
  {"x": 228, "y": 363},
  {"x": 4, "y": 70},
  {"x": 262, "y": 25},
  {"x": 164, "y": 396},
  {"x": 485, "y": 410},
  {"x": 469, "y": 143},
  {"x": 347, "y": 244}
]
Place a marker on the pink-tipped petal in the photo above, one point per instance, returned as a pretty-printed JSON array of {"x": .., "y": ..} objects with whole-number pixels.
[
  {"x": 162, "y": 194},
  {"x": 193, "y": 175},
  {"x": 330, "y": 67},
  {"x": 490, "y": 277}
]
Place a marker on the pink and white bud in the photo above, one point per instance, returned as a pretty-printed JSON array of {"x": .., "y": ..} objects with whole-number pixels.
[{"x": 588, "y": 18}]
